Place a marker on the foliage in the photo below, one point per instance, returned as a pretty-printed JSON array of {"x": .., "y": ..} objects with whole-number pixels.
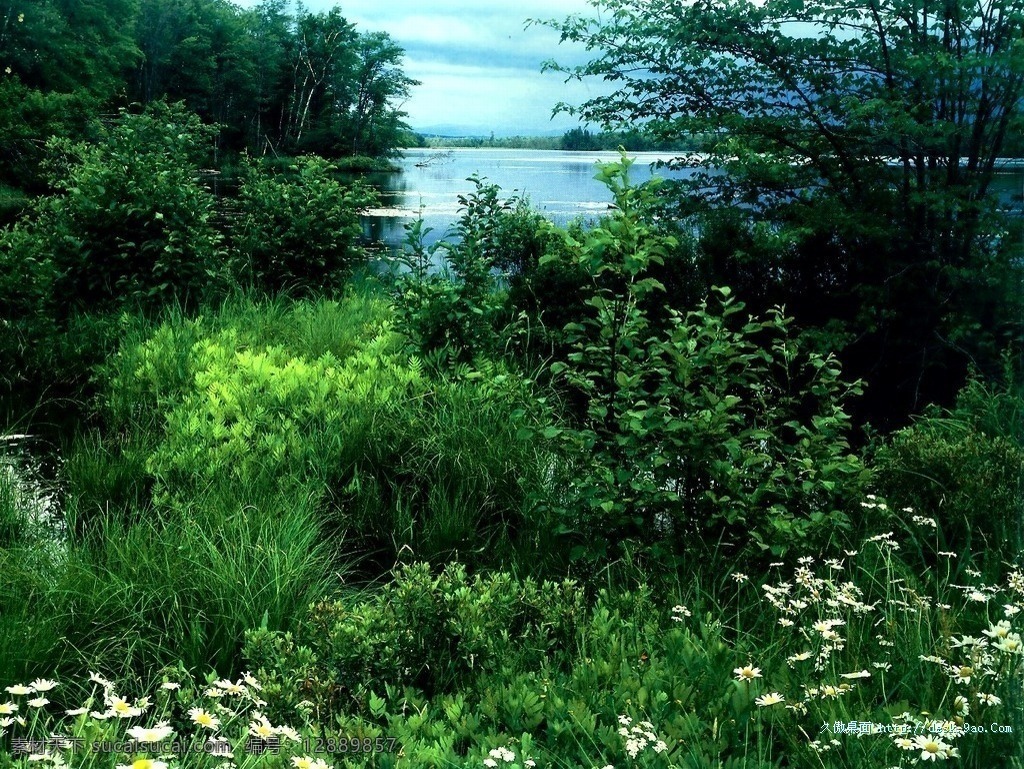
[
  {"x": 861, "y": 137},
  {"x": 457, "y": 312},
  {"x": 320, "y": 401},
  {"x": 298, "y": 230},
  {"x": 437, "y": 633},
  {"x": 964, "y": 466},
  {"x": 273, "y": 79},
  {"x": 456, "y": 667},
  {"x": 697, "y": 429},
  {"x": 129, "y": 224}
]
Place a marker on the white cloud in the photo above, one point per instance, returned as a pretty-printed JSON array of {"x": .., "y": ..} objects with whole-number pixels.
[{"x": 476, "y": 63}]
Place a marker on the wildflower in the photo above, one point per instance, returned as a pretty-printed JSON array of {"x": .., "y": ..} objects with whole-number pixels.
[
  {"x": 504, "y": 754},
  {"x": 739, "y": 577},
  {"x": 962, "y": 674},
  {"x": 43, "y": 685},
  {"x": 834, "y": 563},
  {"x": 1010, "y": 609},
  {"x": 101, "y": 716},
  {"x": 204, "y": 718},
  {"x": 170, "y": 685},
  {"x": 785, "y": 622},
  {"x": 1011, "y": 644},
  {"x": 76, "y": 711},
  {"x": 230, "y": 687},
  {"x": 306, "y": 762},
  {"x": 977, "y": 596},
  {"x": 798, "y": 657},
  {"x": 157, "y": 733},
  {"x": 38, "y": 702},
  {"x": 805, "y": 560},
  {"x": 748, "y": 673},
  {"x": 904, "y": 743},
  {"x": 290, "y": 733},
  {"x": 961, "y": 705},
  {"x": 773, "y": 698},
  {"x": 989, "y": 699},
  {"x": 947, "y": 554},
  {"x": 19, "y": 689},
  {"x": 625, "y": 720},
  {"x": 120, "y": 708},
  {"x": 252, "y": 682},
  {"x": 920, "y": 520},
  {"x": 6, "y": 708},
  {"x": 931, "y": 748},
  {"x": 261, "y": 728},
  {"x": 143, "y": 763},
  {"x": 678, "y": 612},
  {"x": 999, "y": 630}
]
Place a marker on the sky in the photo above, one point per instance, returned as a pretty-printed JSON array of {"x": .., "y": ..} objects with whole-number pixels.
[{"x": 478, "y": 67}]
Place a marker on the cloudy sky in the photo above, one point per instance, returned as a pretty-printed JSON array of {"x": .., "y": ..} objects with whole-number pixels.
[{"x": 479, "y": 67}]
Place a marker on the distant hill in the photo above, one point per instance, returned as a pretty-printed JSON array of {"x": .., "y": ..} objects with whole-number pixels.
[{"x": 455, "y": 131}]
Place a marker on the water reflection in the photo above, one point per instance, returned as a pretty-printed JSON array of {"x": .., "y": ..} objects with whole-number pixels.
[{"x": 560, "y": 185}]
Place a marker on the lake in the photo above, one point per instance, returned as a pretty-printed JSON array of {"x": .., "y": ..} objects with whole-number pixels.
[{"x": 560, "y": 185}]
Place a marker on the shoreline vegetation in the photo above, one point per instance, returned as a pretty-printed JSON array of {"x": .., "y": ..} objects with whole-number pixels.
[{"x": 733, "y": 477}]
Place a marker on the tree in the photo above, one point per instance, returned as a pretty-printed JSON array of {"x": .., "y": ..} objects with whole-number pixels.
[
  {"x": 375, "y": 123},
  {"x": 860, "y": 138},
  {"x": 322, "y": 74}
]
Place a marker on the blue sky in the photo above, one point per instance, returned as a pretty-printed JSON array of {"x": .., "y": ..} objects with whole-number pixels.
[{"x": 478, "y": 66}]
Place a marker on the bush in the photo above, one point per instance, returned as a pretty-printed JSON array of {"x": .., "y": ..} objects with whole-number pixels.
[
  {"x": 966, "y": 466},
  {"x": 130, "y": 224},
  {"x": 298, "y": 230},
  {"x": 458, "y": 313},
  {"x": 698, "y": 429}
]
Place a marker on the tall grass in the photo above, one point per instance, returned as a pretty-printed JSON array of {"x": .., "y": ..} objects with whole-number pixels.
[{"x": 187, "y": 587}]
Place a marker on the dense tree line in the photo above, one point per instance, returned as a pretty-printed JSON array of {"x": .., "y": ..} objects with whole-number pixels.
[{"x": 275, "y": 81}]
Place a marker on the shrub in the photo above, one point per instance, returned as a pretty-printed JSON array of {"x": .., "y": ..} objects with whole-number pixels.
[
  {"x": 966, "y": 466},
  {"x": 457, "y": 313},
  {"x": 130, "y": 224},
  {"x": 697, "y": 429},
  {"x": 298, "y": 230}
]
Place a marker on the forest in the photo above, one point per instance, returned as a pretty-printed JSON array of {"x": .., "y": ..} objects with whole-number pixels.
[
  {"x": 730, "y": 477},
  {"x": 275, "y": 82}
]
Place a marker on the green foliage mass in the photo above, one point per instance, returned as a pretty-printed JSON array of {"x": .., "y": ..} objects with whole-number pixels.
[
  {"x": 696, "y": 428},
  {"x": 454, "y": 666},
  {"x": 298, "y": 230},
  {"x": 857, "y": 142},
  {"x": 455, "y": 311},
  {"x": 324, "y": 402},
  {"x": 129, "y": 223},
  {"x": 964, "y": 467}
]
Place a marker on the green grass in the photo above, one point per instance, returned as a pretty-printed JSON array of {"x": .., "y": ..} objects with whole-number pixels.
[{"x": 186, "y": 586}]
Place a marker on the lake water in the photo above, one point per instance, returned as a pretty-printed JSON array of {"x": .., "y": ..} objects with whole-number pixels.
[{"x": 560, "y": 185}]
